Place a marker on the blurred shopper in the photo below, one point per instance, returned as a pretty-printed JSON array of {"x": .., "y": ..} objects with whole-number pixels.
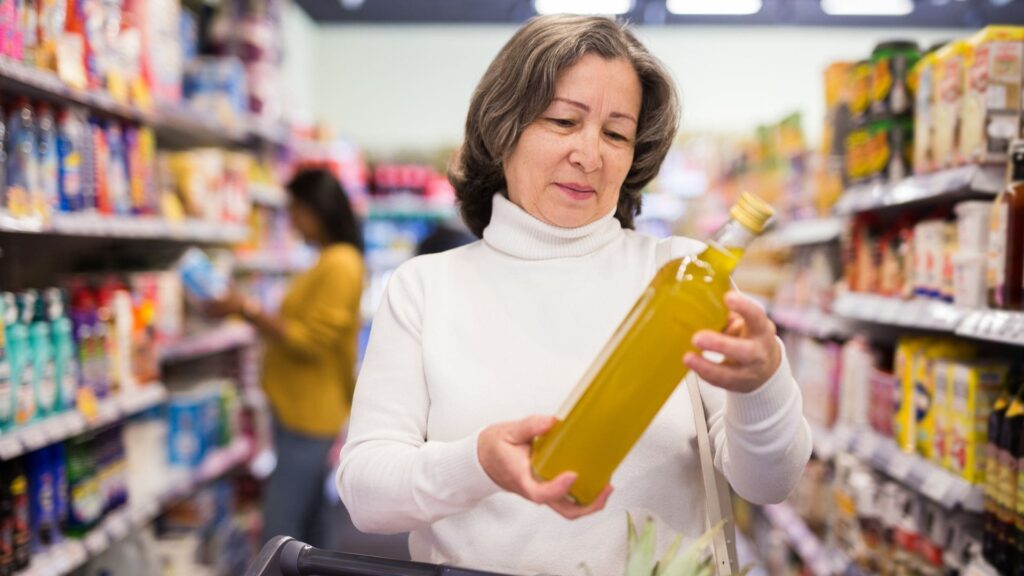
[{"x": 310, "y": 357}]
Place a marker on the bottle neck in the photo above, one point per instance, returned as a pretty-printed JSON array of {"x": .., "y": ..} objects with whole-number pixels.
[{"x": 727, "y": 245}]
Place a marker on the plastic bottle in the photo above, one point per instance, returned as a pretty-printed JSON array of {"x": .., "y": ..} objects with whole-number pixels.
[
  {"x": 18, "y": 487},
  {"x": 1006, "y": 238},
  {"x": 65, "y": 359},
  {"x": 22, "y": 161},
  {"x": 6, "y": 523},
  {"x": 46, "y": 148},
  {"x": 22, "y": 370},
  {"x": 641, "y": 365},
  {"x": 117, "y": 171},
  {"x": 7, "y": 405},
  {"x": 43, "y": 363},
  {"x": 69, "y": 161}
]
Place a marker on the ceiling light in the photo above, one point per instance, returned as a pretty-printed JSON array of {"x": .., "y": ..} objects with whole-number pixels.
[
  {"x": 714, "y": 7},
  {"x": 351, "y": 4},
  {"x": 867, "y": 7},
  {"x": 582, "y": 6}
]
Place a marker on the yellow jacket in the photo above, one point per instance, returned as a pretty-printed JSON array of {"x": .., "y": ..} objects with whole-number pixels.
[{"x": 309, "y": 375}]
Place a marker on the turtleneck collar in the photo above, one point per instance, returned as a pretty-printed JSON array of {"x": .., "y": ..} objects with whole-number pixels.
[{"x": 515, "y": 232}]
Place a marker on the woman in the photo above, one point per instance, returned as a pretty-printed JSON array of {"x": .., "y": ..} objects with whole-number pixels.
[
  {"x": 473, "y": 349},
  {"x": 309, "y": 358}
]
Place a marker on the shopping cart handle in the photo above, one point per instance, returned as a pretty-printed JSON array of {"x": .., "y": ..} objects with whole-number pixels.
[{"x": 284, "y": 556}]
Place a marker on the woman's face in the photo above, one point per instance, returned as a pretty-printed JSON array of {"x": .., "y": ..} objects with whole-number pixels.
[
  {"x": 568, "y": 166},
  {"x": 305, "y": 222}
]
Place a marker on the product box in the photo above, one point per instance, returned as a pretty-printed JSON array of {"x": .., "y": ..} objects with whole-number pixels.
[
  {"x": 929, "y": 374},
  {"x": 907, "y": 351},
  {"x": 950, "y": 62},
  {"x": 973, "y": 389},
  {"x": 924, "y": 114},
  {"x": 992, "y": 98},
  {"x": 186, "y": 431}
]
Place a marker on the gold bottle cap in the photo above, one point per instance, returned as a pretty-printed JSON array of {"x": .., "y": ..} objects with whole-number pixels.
[{"x": 752, "y": 212}]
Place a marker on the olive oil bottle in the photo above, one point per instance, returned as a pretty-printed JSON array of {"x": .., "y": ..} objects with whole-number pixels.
[{"x": 642, "y": 363}]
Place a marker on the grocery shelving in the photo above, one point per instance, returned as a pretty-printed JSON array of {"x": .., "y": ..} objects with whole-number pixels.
[
  {"x": 809, "y": 321},
  {"x": 407, "y": 207},
  {"x": 805, "y": 232},
  {"x": 175, "y": 126},
  {"x": 127, "y": 227},
  {"x": 227, "y": 336},
  {"x": 916, "y": 313},
  {"x": 73, "y": 553},
  {"x": 273, "y": 263},
  {"x": 915, "y": 472},
  {"x": 936, "y": 187},
  {"x": 991, "y": 325},
  {"x": 820, "y": 559},
  {"x": 68, "y": 424}
]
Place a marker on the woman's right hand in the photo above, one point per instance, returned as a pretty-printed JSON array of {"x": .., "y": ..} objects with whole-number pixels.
[{"x": 504, "y": 452}]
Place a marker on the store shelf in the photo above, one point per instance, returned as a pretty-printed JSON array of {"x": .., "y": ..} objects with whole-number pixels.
[
  {"x": 882, "y": 454},
  {"x": 994, "y": 326},
  {"x": 69, "y": 424},
  {"x": 273, "y": 263},
  {"x": 809, "y": 322},
  {"x": 72, "y": 554},
  {"x": 917, "y": 314},
  {"x": 820, "y": 559},
  {"x": 937, "y": 187},
  {"x": 409, "y": 207},
  {"x": 807, "y": 232},
  {"x": 127, "y": 227},
  {"x": 225, "y": 337}
]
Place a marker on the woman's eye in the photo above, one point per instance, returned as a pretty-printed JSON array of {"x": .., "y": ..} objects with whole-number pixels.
[
  {"x": 617, "y": 137},
  {"x": 562, "y": 122}
]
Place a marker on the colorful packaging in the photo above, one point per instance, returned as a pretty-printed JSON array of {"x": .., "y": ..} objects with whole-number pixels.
[
  {"x": 860, "y": 90},
  {"x": 950, "y": 62},
  {"x": 926, "y": 380},
  {"x": 992, "y": 99},
  {"x": 42, "y": 489},
  {"x": 44, "y": 365},
  {"x": 907, "y": 352},
  {"x": 185, "y": 436},
  {"x": 85, "y": 503},
  {"x": 924, "y": 114},
  {"x": 23, "y": 366},
  {"x": 70, "y": 135},
  {"x": 891, "y": 63},
  {"x": 200, "y": 279},
  {"x": 973, "y": 389},
  {"x": 7, "y": 403},
  {"x": 22, "y": 161},
  {"x": 46, "y": 148},
  {"x": 64, "y": 355},
  {"x": 17, "y": 486}
]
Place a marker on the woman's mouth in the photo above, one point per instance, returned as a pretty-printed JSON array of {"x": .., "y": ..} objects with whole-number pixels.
[{"x": 576, "y": 191}]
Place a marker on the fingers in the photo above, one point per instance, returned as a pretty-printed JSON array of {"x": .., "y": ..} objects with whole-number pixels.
[
  {"x": 753, "y": 315},
  {"x": 556, "y": 490},
  {"x": 722, "y": 376},
  {"x": 735, "y": 349},
  {"x": 572, "y": 511},
  {"x": 525, "y": 430}
]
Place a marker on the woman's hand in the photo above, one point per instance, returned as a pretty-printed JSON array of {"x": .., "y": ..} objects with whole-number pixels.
[
  {"x": 752, "y": 353},
  {"x": 504, "y": 452},
  {"x": 230, "y": 303}
]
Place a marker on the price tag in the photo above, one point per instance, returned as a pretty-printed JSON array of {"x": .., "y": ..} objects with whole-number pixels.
[
  {"x": 937, "y": 485},
  {"x": 900, "y": 466},
  {"x": 88, "y": 405},
  {"x": 34, "y": 437},
  {"x": 96, "y": 542},
  {"x": 75, "y": 553},
  {"x": 10, "y": 446}
]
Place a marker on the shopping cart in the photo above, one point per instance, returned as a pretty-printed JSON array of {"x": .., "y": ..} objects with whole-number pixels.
[{"x": 284, "y": 556}]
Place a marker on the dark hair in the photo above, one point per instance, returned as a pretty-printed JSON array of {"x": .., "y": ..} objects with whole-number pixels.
[
  {"x": 320, "y": 191},
  {"x": 520, "y": 83},
  {"x": 444, "y": 237}
]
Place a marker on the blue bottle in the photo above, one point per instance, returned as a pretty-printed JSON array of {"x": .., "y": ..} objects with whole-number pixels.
[
  {"x": 69, "y": 161},
  {"x": 46, "y": 149},
  {"x": 44, "y": 366},
  {"x": 66, "y": 369},
  {"x": 21, "y": 159}
]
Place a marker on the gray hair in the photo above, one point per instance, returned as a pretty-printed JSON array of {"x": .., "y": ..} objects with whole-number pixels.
[{"x": 520, "y": 84}]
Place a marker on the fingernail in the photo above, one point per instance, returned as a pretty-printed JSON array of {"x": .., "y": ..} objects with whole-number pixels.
[{"x": 700, "y": 341}]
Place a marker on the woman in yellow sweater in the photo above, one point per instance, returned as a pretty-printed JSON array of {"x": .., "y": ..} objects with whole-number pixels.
[{"x": 310, "y": 356}]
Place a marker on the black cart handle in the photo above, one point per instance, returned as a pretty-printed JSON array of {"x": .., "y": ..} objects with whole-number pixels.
[{"x": 284, "y": 556}]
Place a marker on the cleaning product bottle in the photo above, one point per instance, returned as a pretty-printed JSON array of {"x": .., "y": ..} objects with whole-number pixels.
[
  {"x": 21, "y": 160},
  {"x": 46, "y": 149},
  {"x": 18, "y": 487},
  {"x": 7, "y": 406},
  {"x": 117, "y": 170},
  {"x": 641, "y": 364},
  {"x": 65, "y": 359},
  {"x": 69, "y": 161},
  {"x": 43, "y": 360},
  {"x": 22, "y": 370},
  {"x": 6, "y": 522}
]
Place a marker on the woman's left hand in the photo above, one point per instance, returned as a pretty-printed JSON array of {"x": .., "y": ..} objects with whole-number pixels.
[
  {"x": 230, "y": 303},
  {"x": 752, "y": 353}
]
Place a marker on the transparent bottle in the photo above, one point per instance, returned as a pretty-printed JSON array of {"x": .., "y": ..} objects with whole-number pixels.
[{"x": 642, "y": 363}]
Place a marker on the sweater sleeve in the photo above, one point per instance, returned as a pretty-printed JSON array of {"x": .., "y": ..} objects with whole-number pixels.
[
  {"x": 761, "y": 440},
  {"x": 327, "y": 314},
  {"x": 391, "y": 477}
]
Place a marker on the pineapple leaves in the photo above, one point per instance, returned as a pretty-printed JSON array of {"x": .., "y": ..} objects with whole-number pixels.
[
  {"x": 695, "y": 560},
  {"x": 640, "y": 556}
]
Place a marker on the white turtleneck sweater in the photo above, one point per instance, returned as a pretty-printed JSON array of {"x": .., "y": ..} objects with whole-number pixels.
[{"x": 501, "y": 329}]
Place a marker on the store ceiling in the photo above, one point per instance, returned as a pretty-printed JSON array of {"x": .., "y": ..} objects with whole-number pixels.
[{"x": 926, "y": 13}]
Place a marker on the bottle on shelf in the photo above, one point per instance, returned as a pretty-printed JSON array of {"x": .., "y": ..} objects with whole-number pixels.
[
  {"x": 1005, "y": 278},
  {"x": 1009, "y": 446},
  {"x": 46, "y": 149},
  {"x": 22, "y": 193},
  {"x": 70, "y": 141},
  {"x": 993, "y": 500},
  {"x": 641, "y": 364}
]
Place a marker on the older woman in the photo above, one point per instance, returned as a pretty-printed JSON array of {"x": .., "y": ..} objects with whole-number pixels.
[{"x": 473, "y": 348}]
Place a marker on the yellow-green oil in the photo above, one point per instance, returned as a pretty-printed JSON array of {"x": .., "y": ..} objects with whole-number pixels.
[{"x": 636, "y": 372}]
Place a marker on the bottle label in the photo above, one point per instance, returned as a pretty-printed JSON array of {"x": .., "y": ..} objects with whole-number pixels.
[
  {"x": 26, "y": 396},
  {"x": 69, "y": 381},
  {"x": 48, "y": 386},
  {"x": 996, "y": 272},
  {"x": 6, "y": 391}
]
